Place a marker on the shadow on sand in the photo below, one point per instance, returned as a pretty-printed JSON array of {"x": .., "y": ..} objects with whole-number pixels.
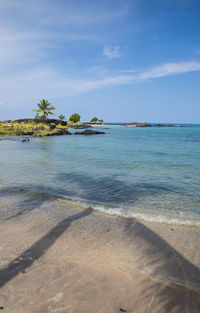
[
  {"x": 175, "y": 281},
  {"x": 28, "y": 257}
]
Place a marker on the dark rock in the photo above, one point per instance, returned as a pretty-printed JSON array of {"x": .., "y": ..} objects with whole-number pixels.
[
  {"x": 122, "y": 310},
  {"x": 89, "y": 132},
  {"x": 167, "y": 125},
  {"x": 136, "y": 124},
  {"x": 39, "y": 128},
  {"x": 52, "y": 126},
  {"x": 40, "y": 120},
  {"x": 59, "y": 132},
  {"x": 82, "y": 126},
  {"x": 27, "y": 133}
]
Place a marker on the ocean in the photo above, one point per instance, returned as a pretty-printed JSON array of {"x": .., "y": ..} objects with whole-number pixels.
[{"x": 151, "y": 174}]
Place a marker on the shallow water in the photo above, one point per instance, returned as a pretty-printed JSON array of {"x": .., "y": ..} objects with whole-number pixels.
[{"x": 148, "y": 173}]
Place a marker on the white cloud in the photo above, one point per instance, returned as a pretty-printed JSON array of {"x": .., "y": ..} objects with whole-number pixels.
[
  {"x": 112, "y": 52},
  {"x": 49, "y": 83},
  {"x": 29, "y": 30},
  {"x": 169, "y": 69}
]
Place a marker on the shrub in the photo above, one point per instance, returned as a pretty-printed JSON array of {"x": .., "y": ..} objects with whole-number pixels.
[
  {"x": 61, "y": 117},
  {"x": 75, "y": 117},
  {"x": 94, "y": 120}
]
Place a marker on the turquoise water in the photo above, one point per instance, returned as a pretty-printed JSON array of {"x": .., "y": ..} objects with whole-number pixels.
[{"x": 148, "y": 173}]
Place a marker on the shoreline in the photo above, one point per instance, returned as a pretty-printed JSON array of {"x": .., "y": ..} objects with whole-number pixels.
[
  {"x": 56, "y": 127},
  {"x": 140, "y": 214},
  {"x": 66, "y": 258}
]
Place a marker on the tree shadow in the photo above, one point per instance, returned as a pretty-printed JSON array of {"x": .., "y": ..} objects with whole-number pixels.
[
  {"x": 28, "y": 257},
  {"x": 111, "y": 189},
  {"x": 87, "y": 187},
  {"x": 31, "y": 198},
  {"x": 176, "y": 281}
]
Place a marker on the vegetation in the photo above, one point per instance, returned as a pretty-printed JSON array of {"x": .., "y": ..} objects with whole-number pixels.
[
  {"x": 94, "y": 120},
  {"x": 75, "y": 118},
  {"x": 44, "y": 109},
  {"x": 41, "y": 125},
  {"x": 61, "y": 117},
  {"x": 30, "y": 129}
]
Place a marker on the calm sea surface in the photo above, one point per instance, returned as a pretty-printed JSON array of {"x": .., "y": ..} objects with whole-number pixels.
[{"x": 148, "y": 173}]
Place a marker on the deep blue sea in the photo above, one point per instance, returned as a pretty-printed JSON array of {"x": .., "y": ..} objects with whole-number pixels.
[{"x": 148, "y": 173}]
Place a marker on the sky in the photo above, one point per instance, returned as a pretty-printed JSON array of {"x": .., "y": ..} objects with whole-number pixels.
[{"x": 119, "y": 60}]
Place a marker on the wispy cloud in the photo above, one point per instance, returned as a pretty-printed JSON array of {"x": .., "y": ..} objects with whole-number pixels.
[
  {"x": 112, "y": 52},
  {"x": 30, "y": 30},
  {"x": 47, "y": 82},
  {"x": 50, "y": 49},
  {"x": 169, "y": 69}
]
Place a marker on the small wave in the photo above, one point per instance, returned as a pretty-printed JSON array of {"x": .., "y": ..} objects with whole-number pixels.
[
  {"x": 147, "y": 217},
  {"x": 34, "y": 197}
]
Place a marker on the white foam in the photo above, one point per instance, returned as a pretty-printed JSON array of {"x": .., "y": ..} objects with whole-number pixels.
[
  {"x": 157, "y": 216},
  {"x": 149, "y": 217}
]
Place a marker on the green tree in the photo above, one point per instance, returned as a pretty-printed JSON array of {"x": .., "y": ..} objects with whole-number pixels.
[
  {"x": 75, "y": 117},
  {"x": 100, "y": 121},
  {"x": 44, "y": 109},
  {"x": 94, "y": 120},
  {"x": 61, "y": 117}
]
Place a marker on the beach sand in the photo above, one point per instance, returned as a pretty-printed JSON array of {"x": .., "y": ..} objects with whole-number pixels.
[{"x": 56, "y": 256}]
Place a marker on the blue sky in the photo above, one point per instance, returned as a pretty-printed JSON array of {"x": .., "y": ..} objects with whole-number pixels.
[{"x": 121, "y": 60}]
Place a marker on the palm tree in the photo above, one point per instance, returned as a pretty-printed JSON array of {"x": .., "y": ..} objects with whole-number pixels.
[{"x": 45, "y": 109}]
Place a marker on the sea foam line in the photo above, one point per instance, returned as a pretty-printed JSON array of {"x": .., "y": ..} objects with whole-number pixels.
[{"x": 147, "y": 217}]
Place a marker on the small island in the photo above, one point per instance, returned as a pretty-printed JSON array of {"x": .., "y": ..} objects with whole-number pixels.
[{"x": 41, "y": 125}]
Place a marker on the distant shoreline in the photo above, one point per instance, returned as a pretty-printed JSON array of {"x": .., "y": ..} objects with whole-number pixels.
[{"x": 57, "y": 127}]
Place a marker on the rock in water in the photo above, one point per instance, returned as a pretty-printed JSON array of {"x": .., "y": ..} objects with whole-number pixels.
[{"x": 89, "y": 132}]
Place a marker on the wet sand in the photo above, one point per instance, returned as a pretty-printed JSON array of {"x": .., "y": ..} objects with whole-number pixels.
[{"x": 58, "y": 257}]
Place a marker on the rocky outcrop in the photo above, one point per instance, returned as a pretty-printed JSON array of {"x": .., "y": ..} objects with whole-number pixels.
[
  {"x": 39, "y": 121},
  {"x": 89, "y": 132},
  {"x": 82, "y": 126},
  {"x": 58, "y": 132},
  {"x": 136, "y": 124}
]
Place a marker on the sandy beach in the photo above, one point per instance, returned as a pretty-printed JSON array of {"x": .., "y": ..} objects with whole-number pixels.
[{"x": 58, "y": 257}]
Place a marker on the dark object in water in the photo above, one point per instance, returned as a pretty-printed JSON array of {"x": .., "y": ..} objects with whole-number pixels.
[
  {"x": 122, "y": 310},
  {"x": 25, "y": 139},
  {"x": 89, "y": 132},
  {"x": 1, "y": 307}
]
